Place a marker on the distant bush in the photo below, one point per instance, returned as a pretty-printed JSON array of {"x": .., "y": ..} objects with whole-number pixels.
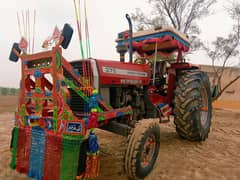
[{"x": 4, "y": 91}]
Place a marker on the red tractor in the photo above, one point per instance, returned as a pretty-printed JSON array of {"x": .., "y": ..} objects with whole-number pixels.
[{"x": 61, "y": 103}]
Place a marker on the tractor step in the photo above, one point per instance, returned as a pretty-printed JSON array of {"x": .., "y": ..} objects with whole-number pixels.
[{"x": 164, "y": 111}]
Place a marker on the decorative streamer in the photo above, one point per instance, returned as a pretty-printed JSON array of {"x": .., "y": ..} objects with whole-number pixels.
[
  {"x": 26, "y": 23},
  {"x": 34, "y": 23},
  {"x": 24, "y": 27},
  {"x": 19, "y": 25},
  {"x": 77, "y": 14},
  {"x": 77, "y": 7},
  {"x": 29, "y": 31},
  {"x": 87, "y": 31},
  {"x": 80, "y": 27},
  {"x": 26, "y": 30}
]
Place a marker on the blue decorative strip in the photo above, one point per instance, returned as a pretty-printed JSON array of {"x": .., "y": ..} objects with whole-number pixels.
[
  {"x": 160, "y": 34},
  {"x": 37, "y": 153},
  {"x": 161, "y": 105}
]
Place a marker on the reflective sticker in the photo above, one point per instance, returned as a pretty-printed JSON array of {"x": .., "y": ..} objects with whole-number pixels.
[
  {"x": 74, "y": 127},
  {"x": 112, "y": 70},
  {"x": 130, "y": 81}
]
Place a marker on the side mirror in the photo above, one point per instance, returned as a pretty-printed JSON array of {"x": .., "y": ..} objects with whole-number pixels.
[
  {"x": 67, "y": 33},
  {"x": 13, "y": 56}
]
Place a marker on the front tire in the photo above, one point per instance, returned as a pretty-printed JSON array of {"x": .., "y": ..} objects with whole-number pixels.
[
  {"x": 192, "y": 105},
  {"x": 142, "y": 149}
]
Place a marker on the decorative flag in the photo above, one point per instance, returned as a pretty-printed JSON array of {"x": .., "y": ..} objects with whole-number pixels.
[
  {"x": 23, "y": 44},
  {"x": 56, "y": 33}
]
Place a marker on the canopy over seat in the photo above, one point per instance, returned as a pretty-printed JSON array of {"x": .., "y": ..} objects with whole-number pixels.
[{"x": 168, "y": 41}]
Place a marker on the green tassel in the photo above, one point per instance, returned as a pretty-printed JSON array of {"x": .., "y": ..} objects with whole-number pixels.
[
  {"x": 70, "y": 156},
  {"x": 14, "y": 148},
  {"x": 55, "y": 119}
]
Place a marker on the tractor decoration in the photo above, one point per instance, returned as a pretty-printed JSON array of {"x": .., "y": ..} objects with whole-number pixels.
[{"x": 61, "y": 103}]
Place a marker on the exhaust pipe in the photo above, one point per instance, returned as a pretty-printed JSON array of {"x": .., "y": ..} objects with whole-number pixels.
[{"x": 130, "y": 38}]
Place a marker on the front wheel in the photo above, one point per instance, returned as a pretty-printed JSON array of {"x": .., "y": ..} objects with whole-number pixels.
[
  {"x": 142, "y": 149},
  {"x": 193, "y": 105}
]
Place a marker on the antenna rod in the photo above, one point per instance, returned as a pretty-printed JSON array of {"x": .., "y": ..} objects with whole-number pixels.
[
  {"x": 155, "y": 61},
  {"x": 130, "y": 38}
]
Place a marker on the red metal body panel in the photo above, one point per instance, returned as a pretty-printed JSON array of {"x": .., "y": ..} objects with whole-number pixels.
[
  {"x": 53, "y": 155},
  {"x": 156, "y": 99},
  {"x": 23, "y": 149},
  {"x": 165, "y": 41},
  {"x": 120, "y": 73}
]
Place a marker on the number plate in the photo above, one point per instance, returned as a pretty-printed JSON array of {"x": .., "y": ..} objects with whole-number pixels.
[{"x": 74, "y": 127}]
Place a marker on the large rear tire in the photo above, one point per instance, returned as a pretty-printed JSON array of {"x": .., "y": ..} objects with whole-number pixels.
[
  {"x": 192, "y": 105},
  {"x": 142, "y": 149}
]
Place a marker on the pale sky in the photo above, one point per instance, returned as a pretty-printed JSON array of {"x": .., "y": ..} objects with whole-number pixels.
[{"x": 106, "y": 18}]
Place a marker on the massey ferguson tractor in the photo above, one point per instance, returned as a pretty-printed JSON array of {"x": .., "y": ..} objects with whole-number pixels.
[{"x": 62, "y": 102}]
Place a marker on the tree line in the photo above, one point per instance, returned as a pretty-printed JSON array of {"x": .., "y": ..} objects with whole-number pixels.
[{"x": 4, "y": 91}]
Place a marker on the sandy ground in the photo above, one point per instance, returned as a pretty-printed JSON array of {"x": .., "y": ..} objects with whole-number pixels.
[{"x": 218, "y": 158}]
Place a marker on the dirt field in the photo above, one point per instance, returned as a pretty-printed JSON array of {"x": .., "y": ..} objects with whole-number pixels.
[
  {"x": 218, "y": 158},
  {"x": 230, "y": 105}
]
